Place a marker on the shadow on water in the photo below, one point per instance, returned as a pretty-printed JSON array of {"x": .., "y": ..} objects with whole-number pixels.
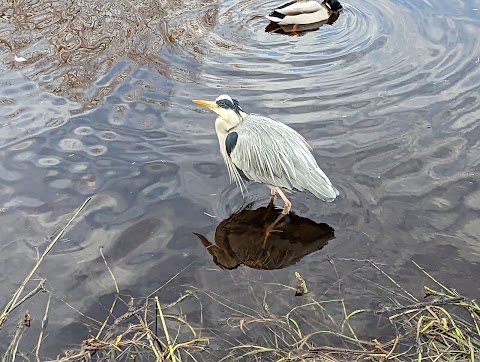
[{"x": 239, "y": 239}]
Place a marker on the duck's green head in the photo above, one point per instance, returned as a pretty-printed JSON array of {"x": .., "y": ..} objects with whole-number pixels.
[{"x": 334, "y": 5}]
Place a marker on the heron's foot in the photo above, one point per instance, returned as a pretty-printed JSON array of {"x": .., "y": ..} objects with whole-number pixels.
[
  {"x": 287, "y": 208},
  {"x": 271, "y": 229}
]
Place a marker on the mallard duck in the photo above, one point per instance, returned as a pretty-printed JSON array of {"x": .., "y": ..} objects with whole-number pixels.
[
  {"x": 299, "y": 30},
  {"x": 298, "y": 13}
]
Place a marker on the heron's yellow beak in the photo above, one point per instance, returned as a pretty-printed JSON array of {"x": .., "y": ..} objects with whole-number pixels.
[{"x": 208, "y": 104}]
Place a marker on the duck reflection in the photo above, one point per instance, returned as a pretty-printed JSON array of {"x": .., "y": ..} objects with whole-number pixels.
[{"x": 240, "y": 239}]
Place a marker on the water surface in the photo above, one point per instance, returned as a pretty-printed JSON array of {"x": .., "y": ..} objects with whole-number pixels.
[{"x": 387, "y": 96}]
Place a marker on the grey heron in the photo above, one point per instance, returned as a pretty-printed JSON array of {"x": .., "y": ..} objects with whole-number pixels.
[{"x": 261, "y": 149}]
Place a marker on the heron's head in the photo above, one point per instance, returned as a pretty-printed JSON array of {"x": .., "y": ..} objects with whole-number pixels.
[{"x": 226, "y": 107}]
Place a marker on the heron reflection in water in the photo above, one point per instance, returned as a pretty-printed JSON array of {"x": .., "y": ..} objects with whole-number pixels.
[{"x": 239, "y": 239}]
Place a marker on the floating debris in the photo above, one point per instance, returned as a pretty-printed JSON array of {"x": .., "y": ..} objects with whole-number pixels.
[
  {"x": 20, "y": 59},
  {"x": 301, "y": 286}
]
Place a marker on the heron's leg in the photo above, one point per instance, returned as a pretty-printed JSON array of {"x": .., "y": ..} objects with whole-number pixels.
[
  {"x": 285, "y": 211},
  {"x": 272, "y": 198},
  {"x": 288, "y": 204}
]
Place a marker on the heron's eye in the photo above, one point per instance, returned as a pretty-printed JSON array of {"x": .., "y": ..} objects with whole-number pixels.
[{"x": 224, "y": 103}]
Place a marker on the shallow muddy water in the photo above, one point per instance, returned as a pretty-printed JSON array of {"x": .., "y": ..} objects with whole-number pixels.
[{"x": 96, "y": 101}]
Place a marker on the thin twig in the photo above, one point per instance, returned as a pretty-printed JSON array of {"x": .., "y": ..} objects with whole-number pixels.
[
  {"x": 417, "y": 306},
  {"x": 11, "y": 351},
  {"x": 164, "y": 325},
  {"x": 110, "y": 270},
  {"x": 39, "y": 288},
  {"x": 44, "y": 325}
]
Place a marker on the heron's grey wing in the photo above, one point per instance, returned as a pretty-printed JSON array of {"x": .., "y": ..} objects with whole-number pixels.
[
  {"x": 230, "y": 143},
  {"x": 255, "y": 153},
  {"x": 272, "y": 153}
]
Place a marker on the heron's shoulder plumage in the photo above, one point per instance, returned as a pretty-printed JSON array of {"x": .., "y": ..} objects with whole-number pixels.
[{"x": 270, "y": 152}]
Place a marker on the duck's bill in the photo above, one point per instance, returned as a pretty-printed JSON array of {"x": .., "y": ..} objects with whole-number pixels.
[{"x": 208, "y": 104}]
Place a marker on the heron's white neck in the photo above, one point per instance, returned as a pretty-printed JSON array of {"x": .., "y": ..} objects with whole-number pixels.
[{"x": 225, "y": 124}]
